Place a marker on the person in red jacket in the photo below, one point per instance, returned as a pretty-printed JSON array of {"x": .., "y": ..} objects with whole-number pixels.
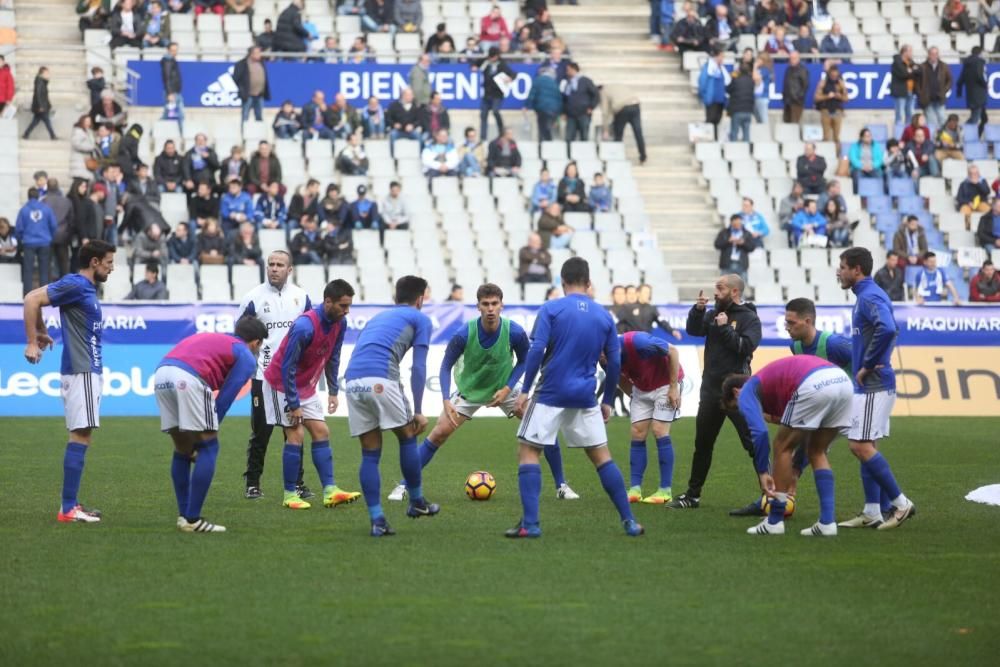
[
  {"x": 985, "y": 285},
  {"x": 6, "y": 84},
  {"x": 492, "y": 28}
]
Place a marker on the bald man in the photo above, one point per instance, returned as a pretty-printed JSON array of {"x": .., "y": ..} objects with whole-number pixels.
[{"x": 732, "y": 332}]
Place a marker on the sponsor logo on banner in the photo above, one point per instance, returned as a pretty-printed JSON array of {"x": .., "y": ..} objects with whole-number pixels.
[{"x": 223, "y": 92}]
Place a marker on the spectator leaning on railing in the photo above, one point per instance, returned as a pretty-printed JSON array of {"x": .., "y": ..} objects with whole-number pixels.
[{"x": 891, "y": 277}]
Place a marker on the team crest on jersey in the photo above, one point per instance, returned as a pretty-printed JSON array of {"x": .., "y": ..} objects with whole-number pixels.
[
  {"x": 378, "y": 388},
  {"x": 582, "y": 305},
  {"x": 266, "y": 308}
]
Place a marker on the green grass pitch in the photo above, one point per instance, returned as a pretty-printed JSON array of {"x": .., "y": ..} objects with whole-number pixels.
[{"x": 297, "y": 588}]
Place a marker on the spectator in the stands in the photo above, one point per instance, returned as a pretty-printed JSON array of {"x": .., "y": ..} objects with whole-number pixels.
[
  {"x": 521, "y": 38},
  {"x": 264, "y": 168},
  {"x": 209, "y": 6},
  {"x": 8, "y": 243},
  {"x": 546, "y": 101},
  {"x": 720, "y": 31},
  {"x": 157, "y": 33},
  {"x": 395, "y": 212},
  {"x": 833, "y": 192},
  {"x": 143, "y": 185},
  {"x": 290, "y": 35},
  {"x": 741, "y": 16},
  {"x": 472, "y": 51},
  {"x": 95, "y": 84},
  {"x": 949, "y": 140},
  {"x": 798, "y": 12},
  {"x": 599, "y": 198},
  {"x": 363, "y": 213},
  {"x": 493, "y": 70},
  {"x": 93, "y": 14},
  {"x": 472, "y": 155},
  {"x": 794, "y": 88},
  {"x": 150, "y": 247},
  {"x": 332, "y": 55},
  {"x": 933, "y": 283},
  {"x": 543, "y": 193},
  {"x": 233, "y": 167},
  {"x": 955, "y": 17},
  {"x": 305, "y": 201},
  {"x": 492, "y": 27},
  {"x": 235, "y": 207},
  {"x": 440, "y": 158},
  {"x": 972, "y": 80},
  {"x": 126, "y": 25},
  {"x": 533, "y": 261},
  {"x": 988, "y": 230},
  {"x": 789, "y": 207},
  {"x": 373, "y": 119},
  {"x": 905, "y": 74},
  {"x": 543, "y": 33},
  {"x": 753, "y": 221},
  {"x": 170, "y": 72},
  {"x": 810, "y": 169},
  {"x": 82, "y": 147},
  {"x": 403, "y": 118},
  {"x": 181, "y": 246},
  {"x": 244, "y": 7},
  {"x": 768, "y": 15},
  {"x": 933, "y": 86},
  {"x": 307, "y": 245},
  {"x": 741, "y": 103},
  {"x": 360, "y": 51},
  {"x": 265, "y": 38},
  {"x": 378, "y": 17},
  {"x": 571, "y": 193},
  {"x": 805, "y": 42},
  {"x": 712, "y": 84},
  {"x": 173, "y": 109},
  {"x": 830, "y": 97},
  {"x": 973, "y": 193},
  {"x": 270, "y": 211},
  {"x": 408, "y": 15},
  {"x": 555, "y": 233},
  {"x": 556, "y": 61},
  {"x": 918, "y": 120},
  {"x": 353, "y": 161},
  {"x": 763, "y": 75},
  {"x": 835, "y": 43},
  {"x": 734, "y": 244},
  {"x": 286, "y": 123},
  {"x": 420, "y": 79},
  {"x": 150, "y": 288},
  {"x": 203, "y": 206},
  {"x": 245, "y": 249},
  {"x": 504, "y": 157},
  {"x": 456, "y": 295},
  {"x": 350, "y": 7},
  {"x": 200, "y": 163},
  {"x": 346, "y": 120},
  {"x": 891, "y": 277},
  {"x": 88, "y": 210},
  {"x": 779, "y": 43},
  {"x": 253, "y": 83},
  {"x": 438, "y": 37},
  {"x": 317, "y": 118},
  {"x": 688, "y": 33},
  {"x": 984, "y": 287},
  {"x": 838, "y": 227},
  {"x": 211, "y": 243},
  {"x": 922, "y": 150},
  {"x": 989, "y": 16},
  {"x": 7, "y": 85},
  {"x": 899, "y": 162},
  {"x": 62, "y": 209},
  {"x": 41, "y": 107},
  {"x": 910, "y": 241},
  {"x": 866, "y": 157},
  {"x": 808, "y": 222},
  {"x": 168, "y": 170},
  {"x": 338, "y": 241},
  {"x": 109, "y": 112},
  {"x": 333, "y": 208},
  {"x": 433, "y": 117}
]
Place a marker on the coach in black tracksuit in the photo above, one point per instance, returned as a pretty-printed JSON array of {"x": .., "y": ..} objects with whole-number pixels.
[{"x": 732, "y": 332}]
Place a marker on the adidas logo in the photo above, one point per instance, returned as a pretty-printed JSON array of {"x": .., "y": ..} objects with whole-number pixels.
[{"x": 223, "y": 92}]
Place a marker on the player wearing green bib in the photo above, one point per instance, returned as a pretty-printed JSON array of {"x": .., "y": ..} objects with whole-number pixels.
[{"x": 488, "y": 357}]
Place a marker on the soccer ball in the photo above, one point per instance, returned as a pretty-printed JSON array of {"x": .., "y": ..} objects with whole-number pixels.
[
  {"x": 765, "y": 504},
  {"x": 480, "y": 485}
]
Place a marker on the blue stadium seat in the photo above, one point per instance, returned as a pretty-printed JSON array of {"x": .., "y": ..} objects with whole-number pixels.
[
  {"x": 970, "y": 133},
  {"x": 901, "y": 187},
  {"x": 888, "y": 223},
  {"x": 912, "y": 275},
  {"x": 911, "y": 204},
  {"x": 975, "y": 150},
  {"x": 879, "y": 132},
  {"x": 991, "y": 133},
  {"x": 870, "y": 187},
  {"x": 878, "y": 204}
]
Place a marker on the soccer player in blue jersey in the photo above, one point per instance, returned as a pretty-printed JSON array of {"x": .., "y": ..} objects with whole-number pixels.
[
  {"x": 376, "y": 401},
  {"x": 873, "y": 336},
  {"x": 569, "y": 337},
  {"x": 80, "y": 316},
  {"x": 487, "y": 376}
]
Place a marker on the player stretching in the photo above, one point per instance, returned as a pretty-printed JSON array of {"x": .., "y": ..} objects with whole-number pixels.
[
  {"x": 651, "y": 370},
  {"x": 874, "y": 331},
  {"x": 376, "y": 402},
  {"x": 276, "y": 302},
  {"x": 569, "y": 336},
  {"x": 185, "y": 382},
  {"x": 487, "y": 377},
  {"x": 811, "y": 399},
  {"x": 80, "y": 319},
  {"x": 310, "y": 349}
]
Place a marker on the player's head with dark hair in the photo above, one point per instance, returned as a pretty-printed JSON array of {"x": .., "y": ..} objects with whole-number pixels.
[
  {"x": 731, "y": 388},
  {"x": 32, "y": 193},
  {"x": 855, "y": 264},
  {"x": 800, "y": 319},
  {"x": 489, "y": 301},
  {"x": 153, "y": 268},
  {"x": 410, "y": 291},
  {"x": 98, "y": 256},
  {"x": 575, "y": 272},
  {"x": 618, "y": 295},
  {"x": 645, "y": 293},
  {"x": 802, "y": 306},
  {"x": 928, "y": 255},
  {"x": 930, "y": 260},
  {"x": 337, "y": 289},
  {"x": 488, "y": 291},
  {"x": 252, "y": 331},
  {"x": 337, "y": 299}
]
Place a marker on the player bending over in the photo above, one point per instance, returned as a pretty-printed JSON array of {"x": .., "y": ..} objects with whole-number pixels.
[
  {"x": 651, "y": 370},
  {"x": 811, "y": 399},
  {"x": 569, "y": 336},
  {"x": 486, "y": 377},
  {"x": 310, "y": 349},
  {"x": 376, "y": 401},
  {"x": 185, "y": 382},
  {"x": 81, "y": 322}
]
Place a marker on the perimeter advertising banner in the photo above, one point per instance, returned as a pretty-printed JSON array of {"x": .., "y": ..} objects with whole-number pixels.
[{"x": 947, "y": 359}]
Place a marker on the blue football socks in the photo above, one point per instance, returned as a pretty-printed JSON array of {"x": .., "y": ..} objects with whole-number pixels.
[
  {"x": 427, "y": 451},
  {"x": 291, "y": 459},
  {"x": 824, "y": 489},
  {"x": 323, "y": 460},
  {"x": 201, "y": 477},
  {"x": 637, "y": 461},
  {"x": 409, "y": 464},
  {"x": 73, "y": 461},
  {"x": 778, "y": 505},
  {"x": 880, "y": 471},
  {"x": 371, "y": 481},
  {"x": 614, "y": 486},
  {"x": 529, "y": 479},
  {"x": 665, "y": 450},
  {"x": 180, "y": 473},
  {"x": 553, "y": 455}
]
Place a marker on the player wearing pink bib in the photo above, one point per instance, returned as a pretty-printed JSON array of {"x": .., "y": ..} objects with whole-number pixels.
[{"x": 310, "y": 350}]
